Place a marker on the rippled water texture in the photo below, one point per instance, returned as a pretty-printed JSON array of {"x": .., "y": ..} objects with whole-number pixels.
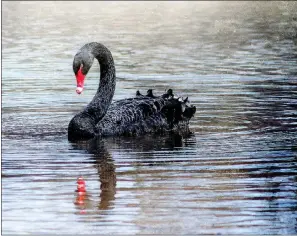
[{"x": 236, "y": 173}]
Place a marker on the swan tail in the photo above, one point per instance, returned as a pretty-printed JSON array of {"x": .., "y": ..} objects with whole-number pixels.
[
  {"x": 166, "y": 114},
  {"x": 176, "y": 111}
]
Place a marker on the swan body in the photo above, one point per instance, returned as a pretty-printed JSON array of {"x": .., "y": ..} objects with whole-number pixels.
[{"x": 133, "y": 116}]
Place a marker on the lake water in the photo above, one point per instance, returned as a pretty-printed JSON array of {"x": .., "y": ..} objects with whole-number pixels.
[{"x": 237, "y": 172}]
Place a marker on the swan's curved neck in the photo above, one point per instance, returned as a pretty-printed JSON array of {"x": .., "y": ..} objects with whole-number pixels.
[{"x": 97, "y": 108}]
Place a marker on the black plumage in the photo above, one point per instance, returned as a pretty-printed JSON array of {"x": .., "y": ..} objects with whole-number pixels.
[
  {"x": 150, "y": 94},
  {"x": 132, "y": 116},
  {"x": 138, "y": 93},
  {"x": 168, "y": 94}
]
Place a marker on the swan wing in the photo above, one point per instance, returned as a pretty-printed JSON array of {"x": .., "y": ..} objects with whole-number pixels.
[
  {"x": 128, "y": 115},
  {"x": 144, "y": 114}
]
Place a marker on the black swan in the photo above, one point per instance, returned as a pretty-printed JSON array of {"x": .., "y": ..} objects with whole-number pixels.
[{"x": 133, "y": 116}]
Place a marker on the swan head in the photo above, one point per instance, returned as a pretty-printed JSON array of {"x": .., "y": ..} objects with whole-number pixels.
[{"x": 81, "y": 65}]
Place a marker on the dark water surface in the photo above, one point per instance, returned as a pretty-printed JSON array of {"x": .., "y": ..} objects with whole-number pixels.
[{"x": 237, "y": 173}]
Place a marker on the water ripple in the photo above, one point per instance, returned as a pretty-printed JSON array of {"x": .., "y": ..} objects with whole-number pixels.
[{"x": 236, "y": 173}]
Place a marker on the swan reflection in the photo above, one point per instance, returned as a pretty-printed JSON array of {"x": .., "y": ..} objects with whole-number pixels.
[{"x": 102, "y": 151}]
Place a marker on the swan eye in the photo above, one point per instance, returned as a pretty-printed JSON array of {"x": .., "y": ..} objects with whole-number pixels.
[{"x": 76, "y": 66}]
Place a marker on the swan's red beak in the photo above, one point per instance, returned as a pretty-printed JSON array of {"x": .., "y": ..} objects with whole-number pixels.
[{"x": 80, "y": 79}]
